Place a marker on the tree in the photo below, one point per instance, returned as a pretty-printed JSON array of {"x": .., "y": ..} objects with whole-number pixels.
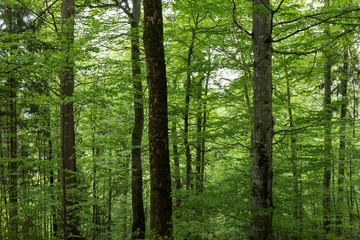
[
  {"x": 262, "y": 173},
  {"x": 137, "y": 174},
  {"x": 327, "y": 140},
  {"x": 70, "y": 219},
  {"x": 160, "y": 180}
]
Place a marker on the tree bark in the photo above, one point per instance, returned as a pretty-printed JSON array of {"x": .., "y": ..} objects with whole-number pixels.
[
  {"x": 199, "y": 135},
  {"x": 13, "y": 164},
  {"x": 109, "y": 206},
  {"x": 138, "y": 227},
  {"x": 12, "y": 27},
  {"x": 342, "y": 142},
  {"x": 177, "y": 182},
  {"x": 160, "y": 179},
  {"x": 175, "y": 141},
  {"x": 70, "y": 220},
  {"x": 262, "y": 172},
  {"x": 186, "y": 112},
  {"x": 327, "y": 147},
  {"x": 296, "y": 171}
]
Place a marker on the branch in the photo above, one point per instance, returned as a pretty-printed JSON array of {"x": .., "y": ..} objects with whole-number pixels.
[
  {"x": 295, "y": 129},
  {"x": 117, "y": 4},
  {"x": 290, "y": 130},
  {"x": 38, "y": 16},
  {"x": 316, "y": 24},
  {"x": 297, "y": 19},
  {"x": 236, "y": 22},
  {"x": 267, "y": 7},
  {"x": 278, "y": 8},
  {"x": 316, "y": 50}
]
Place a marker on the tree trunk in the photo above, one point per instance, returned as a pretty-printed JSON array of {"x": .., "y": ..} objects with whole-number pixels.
[
  {"x": 203, "y": 142},
  {"x": 353, "y": 155},
  {"x": 11, "y": 27},
  {"x": 138, "y": 227},
  {"x": 54, "y": 229},
  {"x": 175, "y": 141},
  {"x": 296, "y": 171},
  {"x": 327, "y": 147},
  {"x": 199, "y": 136},
  {"x": 186, "y": 114},
  {"x": 109, "y": 207},
  {"x": 262, "y": 173},
  {"x": 95, "y": 207},
  {"x": 13, "y": 164},
  {"x": 160, "y": 179},
  {"x": 177, "y": 182},
  {"x": 342, "y": 144},
  {"x": 70, "y": 220}
]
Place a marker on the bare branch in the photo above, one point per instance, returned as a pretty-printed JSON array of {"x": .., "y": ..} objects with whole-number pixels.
[
  {"x": 315, "y": 50},
  {"x": 295, "y": 129},
  {"x": 278, "y": 8},
  {"x": 286, "y": 131},
  {"x": 316, "y": 24},
  {"x": 40, "y": 15},
  {"x": 299, "y": 18},
  {"x": 236, "y": 22}
]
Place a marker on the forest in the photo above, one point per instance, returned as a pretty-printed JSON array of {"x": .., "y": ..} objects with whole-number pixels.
[{"x": 179, "y": 119}]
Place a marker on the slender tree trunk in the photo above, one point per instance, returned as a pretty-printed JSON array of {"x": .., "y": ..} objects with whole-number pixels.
[
  {"x": 12, "y": 139},
  {"x": 342, "y": 145},
  {"x": 13, "y": 163},
  {"x": 327, "y": 140},
  {"x": 175, "y": 141},
  {"x": 296, "y": 171},
  {"x": 176, "y": 156},
  {"x": 138, "y": 227},
  {"x": 186, "y": 114},
  {"x": 95, "y": 207},
  {"x": 3, "y": 183},
  {"x": 70, "y": 219},
  {"x": 262, "y": 172},
  {"x": 109, "y": 210},
  {"x": 354, "y": 155},
  {"x": 199, "y": 136},
  {"x": 202, "y": 162},
  {"x": 177, "y": 182},
  {"x": 160, "y": 179},
  {"x": 54, "y": 229},
  {"x": 327, "y": 147}
]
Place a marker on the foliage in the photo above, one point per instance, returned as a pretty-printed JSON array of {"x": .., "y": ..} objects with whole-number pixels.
[{"x": 220, "y": 99}]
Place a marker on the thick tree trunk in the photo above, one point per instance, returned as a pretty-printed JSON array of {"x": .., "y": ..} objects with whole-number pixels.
[
  {"x": 160, "y": 199},
  {"x": 262, "y": 172},
  {"x": 70, "y": 220},
  {"x": 138, "y": 227}
]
